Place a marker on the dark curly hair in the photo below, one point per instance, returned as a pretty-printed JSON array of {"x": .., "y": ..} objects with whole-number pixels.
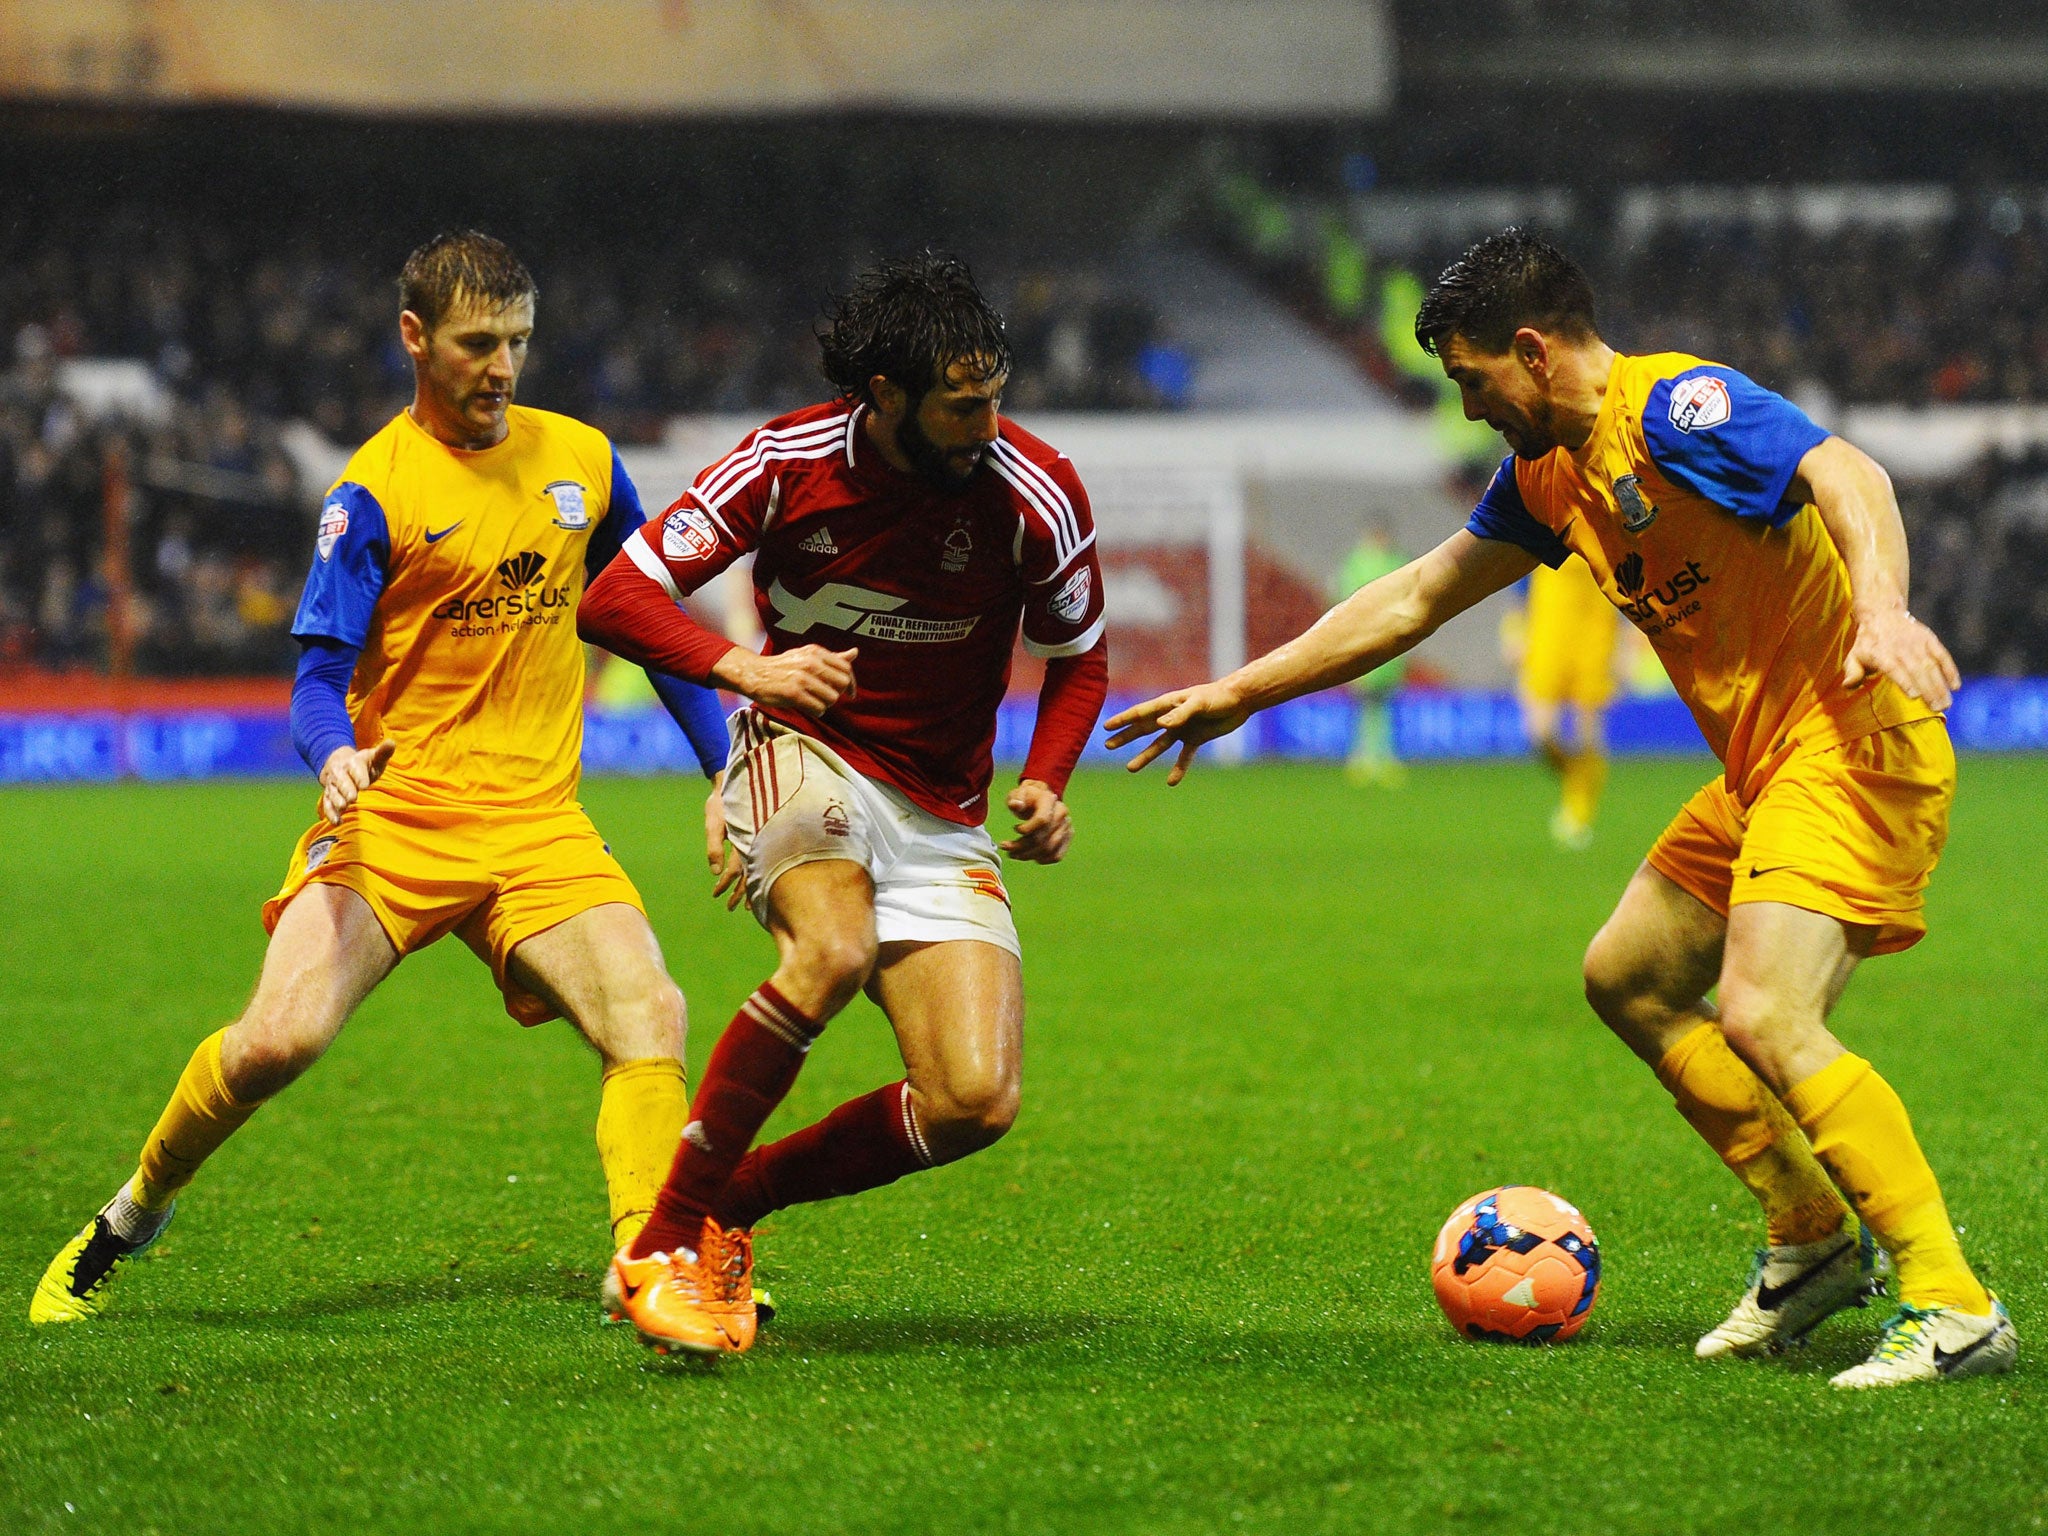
[
  {"x": 1501, "y": 284},
  {"x": 909, "y": 319},
  {"x": 462, "y": 265}
]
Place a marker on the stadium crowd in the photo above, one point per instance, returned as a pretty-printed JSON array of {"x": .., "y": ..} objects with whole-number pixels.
[
  {"x": 1956, "y": 311},
  {"x": 1980, "y": 562},
  {"x": 1927, "y": 311},
  {"x": 1900, "y": 305},
  {"x": 236, "y": 331},
  {"x": 242, "y": 330}
]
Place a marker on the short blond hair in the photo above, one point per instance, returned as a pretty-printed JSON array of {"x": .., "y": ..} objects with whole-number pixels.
[{"x": 462, "y": 265}]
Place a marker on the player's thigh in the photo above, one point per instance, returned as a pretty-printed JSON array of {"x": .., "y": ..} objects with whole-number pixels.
[
  {"x": 603, "y": 970},
  {"x": 1853, "y": 832},
  {"x": 1653, "y": 960},
  {"x": 1782, "y": 973},
  {"x": 326, "y": 954},
  {"x": 789, "y": 805},
  {"x": 957, "y": 1008},
  {"x": 821, "y": 915}
]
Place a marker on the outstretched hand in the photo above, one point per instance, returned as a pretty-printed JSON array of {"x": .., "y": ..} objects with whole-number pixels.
[
  {"x": 1892, "y": 643},
  {"x": 1044, "y": 829},
  {"x": 349, "y": 771},
  {"x": 1186, "y": 718}
]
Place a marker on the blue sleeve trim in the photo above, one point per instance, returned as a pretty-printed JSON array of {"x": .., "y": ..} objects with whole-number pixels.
[
  {"x": 320, "y": 721},
  {"x": 1725, "y": 437},
  {"x": 623, "y": 518},
  {"x": 350, "y": 562},
  {"x": 700, "y": 713},
  {"x": 1501, "y": 514}
]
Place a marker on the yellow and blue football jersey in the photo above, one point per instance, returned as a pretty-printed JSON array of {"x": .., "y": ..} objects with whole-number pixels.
[
  {"x": 1677, "y": 503},
  {"x": 457, "y": 574}
]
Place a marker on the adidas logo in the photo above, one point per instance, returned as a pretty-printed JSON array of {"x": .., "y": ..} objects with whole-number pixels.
[{"x": 819, "y": 543}]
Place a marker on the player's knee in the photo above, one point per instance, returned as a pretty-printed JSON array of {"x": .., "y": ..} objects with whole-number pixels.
[
  {"x": 1761, "y": 1028},
  {"x": 835, "y": 962},
  {"x": 657, "y": 1021},
  {"x": 1615, "y": 984},
  {"x": 971, "y": 1111},
  {"x": 636, "y": 1017},
  {"x": 257, "y": 1062}
]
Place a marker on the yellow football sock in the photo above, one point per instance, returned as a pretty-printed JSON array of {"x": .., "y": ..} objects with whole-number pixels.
[
  {"x": 640, "y": 1116},
  {"x": 201, "y": 1115},
  {"x": 1863, "y": 1138},
  {"x": 1585, "y": 775},
  {"x": 1748, "y": 1128}
]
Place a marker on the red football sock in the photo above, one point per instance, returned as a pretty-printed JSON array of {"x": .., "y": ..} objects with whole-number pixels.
[
  {"x": 751, "y": 1069},
  {"x": 863, "y": 1144}
]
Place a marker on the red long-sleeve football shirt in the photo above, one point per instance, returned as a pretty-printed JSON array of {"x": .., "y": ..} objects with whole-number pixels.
[{"x": 930, "y": 585}]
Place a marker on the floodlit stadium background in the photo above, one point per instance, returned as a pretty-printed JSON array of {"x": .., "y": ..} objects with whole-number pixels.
[{"x": 1208, "y": 222}]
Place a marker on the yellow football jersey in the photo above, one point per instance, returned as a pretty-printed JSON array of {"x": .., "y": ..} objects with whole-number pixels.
[
  {"x": 1677, "y": 503},
  {"x": 457, "y": 574},
  {"x": 1568, "y": 638}
]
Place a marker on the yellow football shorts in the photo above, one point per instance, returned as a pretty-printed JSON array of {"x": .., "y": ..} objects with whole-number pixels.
[
  {"x": 1851, "y": 830},
  {"x": 1570, "y": 664},
  {"x": 494, "y": 876}
]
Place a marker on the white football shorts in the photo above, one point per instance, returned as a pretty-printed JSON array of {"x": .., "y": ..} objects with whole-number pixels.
[{"x": 790, "y": 800}]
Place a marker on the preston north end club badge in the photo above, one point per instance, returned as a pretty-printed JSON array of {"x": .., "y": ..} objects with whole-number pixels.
[
  {"x": 1637, "y": 513},
  {"x": 570, "y": 512}
]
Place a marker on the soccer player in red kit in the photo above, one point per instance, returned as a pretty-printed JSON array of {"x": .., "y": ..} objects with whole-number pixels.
[{"x": 900, "y": 535}]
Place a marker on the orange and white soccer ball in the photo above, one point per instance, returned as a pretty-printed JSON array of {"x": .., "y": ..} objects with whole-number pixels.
[{"x": 1516, "y": 1264}]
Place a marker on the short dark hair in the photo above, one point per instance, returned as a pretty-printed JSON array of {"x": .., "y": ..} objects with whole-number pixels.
[
  {"x": 1501, "y": 284},
  {"x": 909, "y": 319},
  {"x": 462, "y": 265}
]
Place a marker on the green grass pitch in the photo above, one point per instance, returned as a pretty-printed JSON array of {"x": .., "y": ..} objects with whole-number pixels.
[{"x": 1278, "y": 1028}]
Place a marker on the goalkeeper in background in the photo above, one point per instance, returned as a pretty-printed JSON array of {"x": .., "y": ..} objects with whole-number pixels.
[{"x": 1371, "y": 760}]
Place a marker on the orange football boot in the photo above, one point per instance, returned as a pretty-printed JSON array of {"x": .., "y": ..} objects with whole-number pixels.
[{"x": 702, "y": 1303}]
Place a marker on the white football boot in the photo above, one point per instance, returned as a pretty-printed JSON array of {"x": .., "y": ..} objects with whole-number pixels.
[
  {"x": 1794, "y": 1288},
  {"x": 1937, "y": 1344}
]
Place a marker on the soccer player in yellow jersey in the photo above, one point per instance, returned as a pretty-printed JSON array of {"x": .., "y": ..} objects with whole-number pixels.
[
  {"x": 1766, "y": 562},
  {"x": 450, "y": 559},
  {"x": 1566, "y": 680}
]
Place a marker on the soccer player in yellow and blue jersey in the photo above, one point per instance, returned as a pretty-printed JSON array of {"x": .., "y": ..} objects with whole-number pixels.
[
  {"x": 440, "y": 700},
  {"x": 1765, "y": 560},
  {"x": 1566, "y": 680}
]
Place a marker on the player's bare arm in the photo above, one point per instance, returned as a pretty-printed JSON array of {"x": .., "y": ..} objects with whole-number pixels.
[
  {"x": 1855, "y": 499},
  {"x": 349, "y": 771},
  {"x": 1375, "y": 624}
]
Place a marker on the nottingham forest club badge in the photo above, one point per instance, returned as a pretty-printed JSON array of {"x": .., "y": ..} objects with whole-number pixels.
[
  {"x": 1637, "y": 512},
  {"x": 570, "y": 512}
]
